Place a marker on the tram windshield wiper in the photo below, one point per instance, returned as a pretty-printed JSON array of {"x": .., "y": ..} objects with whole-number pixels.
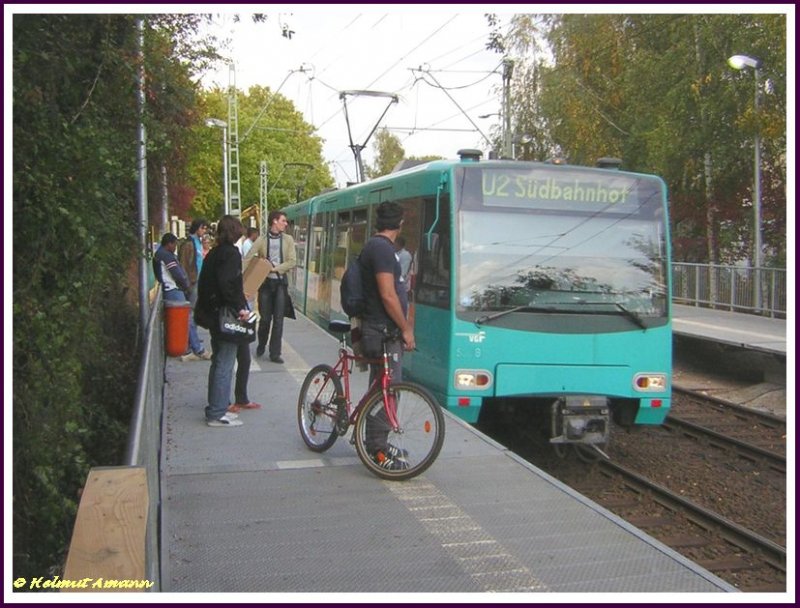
[
  {"x": 627, "y": 312},
  {"x": 637, "y": 320},
  {"x": 633, "y": 317},
  {"x": 503, "y": 313}
]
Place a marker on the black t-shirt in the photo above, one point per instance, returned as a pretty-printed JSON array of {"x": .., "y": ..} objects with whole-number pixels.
[{"x": 377, "y": 256}]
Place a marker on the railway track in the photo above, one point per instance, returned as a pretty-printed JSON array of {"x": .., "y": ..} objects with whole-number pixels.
[
  {"x": 710, "y": 483},
  {"x": 722, "y": 424},
  {"x": 718, "y": 440},
  {"x": 728, "y": 418},
  {"x": 728, "y": 426},
  {"x": 732, "y": 552}
]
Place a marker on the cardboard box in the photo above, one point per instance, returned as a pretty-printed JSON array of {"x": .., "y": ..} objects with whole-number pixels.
[{"x": 254, "y": 275}]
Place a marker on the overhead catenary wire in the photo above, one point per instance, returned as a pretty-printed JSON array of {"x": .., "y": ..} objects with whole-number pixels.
[
  {"x": 457, "y": 49},
  {"x": 426, "y": 39},
  {"x": 469, "y": 118},
  {"x": 269, "y": 103},
  {"x": 391, "y": 66}
]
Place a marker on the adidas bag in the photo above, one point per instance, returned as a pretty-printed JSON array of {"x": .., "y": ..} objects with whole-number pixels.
[{"x": 234, "y": 329}]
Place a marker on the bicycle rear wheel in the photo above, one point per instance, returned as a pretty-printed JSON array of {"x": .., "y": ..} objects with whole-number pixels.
[
  {"x": 407, "y": 451},
  {"x": 316, "y": 408}
]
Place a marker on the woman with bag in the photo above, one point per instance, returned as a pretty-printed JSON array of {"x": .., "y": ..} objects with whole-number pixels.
[{"x": 223, "y": 309}]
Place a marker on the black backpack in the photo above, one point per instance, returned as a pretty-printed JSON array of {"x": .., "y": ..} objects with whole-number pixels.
[{"x": 351, "y": 289}]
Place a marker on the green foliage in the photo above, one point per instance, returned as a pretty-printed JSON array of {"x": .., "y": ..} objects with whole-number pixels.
[
  {"x": 271, "y": 130},
  {"x": 388, "y": 152},
  {"x": 656, "y": 91},
  {"x": 74, "y": 246}
]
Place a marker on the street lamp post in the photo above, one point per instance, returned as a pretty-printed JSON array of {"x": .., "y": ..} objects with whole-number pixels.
[
  {"x": 499, "y": 115},
  {"x": 740, "y": 62},
  {"x": 221, "y": 124},
  {"x": 505, "y": 114},
  {"x": 508, "y": 69}
]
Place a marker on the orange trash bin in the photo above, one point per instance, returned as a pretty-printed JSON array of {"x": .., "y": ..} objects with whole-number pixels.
[{"x": 176, "y": 327}]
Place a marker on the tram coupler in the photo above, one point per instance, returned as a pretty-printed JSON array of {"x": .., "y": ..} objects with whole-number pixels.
[{"x": 580, "y": 419}]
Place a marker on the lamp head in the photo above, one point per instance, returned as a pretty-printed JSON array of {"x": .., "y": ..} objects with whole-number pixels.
[
  {"x": 216, "y": 122},
  {"x": 740, "y": 62}
]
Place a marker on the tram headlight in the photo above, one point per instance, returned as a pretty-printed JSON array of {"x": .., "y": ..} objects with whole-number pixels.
[
  {"x": 650, "y": 382},
  {"x": 472, "y": 379}
]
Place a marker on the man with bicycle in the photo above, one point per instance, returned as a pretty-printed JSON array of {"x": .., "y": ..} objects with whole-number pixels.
[{"x": 386, "y": 310}]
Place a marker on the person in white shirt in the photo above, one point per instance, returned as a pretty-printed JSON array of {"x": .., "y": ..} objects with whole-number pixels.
[
  {"x": 249, "y": 239},
  {"x": 405, "y": 258}
]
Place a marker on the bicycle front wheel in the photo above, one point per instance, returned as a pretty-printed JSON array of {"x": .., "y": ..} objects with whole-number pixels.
[
  {"x": 405, "y": 451},
  {"x": 316, "y": 407}
]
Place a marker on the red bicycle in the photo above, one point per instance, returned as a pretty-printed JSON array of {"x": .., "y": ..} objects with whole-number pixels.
[{"x": 398, "y": 426}]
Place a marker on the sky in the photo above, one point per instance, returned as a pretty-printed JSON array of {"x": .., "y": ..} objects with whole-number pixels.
[
  {"x": 433, "y": 57},
  {"x": 413, "y": 52}
]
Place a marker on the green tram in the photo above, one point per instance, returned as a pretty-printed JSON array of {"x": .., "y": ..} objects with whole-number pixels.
[{"x": 536, "y": 287}]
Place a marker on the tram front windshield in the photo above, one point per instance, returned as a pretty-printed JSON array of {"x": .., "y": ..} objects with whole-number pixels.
[{"x": 560, "y": 239}]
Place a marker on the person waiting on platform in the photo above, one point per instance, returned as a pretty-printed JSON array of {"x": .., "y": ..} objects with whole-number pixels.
[
  {"x": 220, "y": 284},
  {"x": 168, "y": 271},
  {"x": 243, "y": 358},
  {"x": 246, "y": 242},
  {"x": 278, "y": 248},
  {"x": 190, "y": 256}
]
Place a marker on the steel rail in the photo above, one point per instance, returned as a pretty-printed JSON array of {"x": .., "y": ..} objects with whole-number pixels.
[{"x": 742, "y": 537}]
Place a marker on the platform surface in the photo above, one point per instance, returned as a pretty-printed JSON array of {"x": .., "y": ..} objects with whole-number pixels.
[
  {"x": 747, "y": 331},
  {"x": 251, "y": 509}
]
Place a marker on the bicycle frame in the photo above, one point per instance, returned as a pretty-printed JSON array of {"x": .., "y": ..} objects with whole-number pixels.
[
  {"x": 342, "y": 369},
  {"x": 398, "y": 427}
]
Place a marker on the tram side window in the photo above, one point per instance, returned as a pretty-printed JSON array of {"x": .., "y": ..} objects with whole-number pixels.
[
  {"x": 317, "y": 244},
  {"x": 300, "y": 239},
  {"x": 412, "y": 229},
  {"x": 433, "y": 280},
  {"x": 342, "y": 243},
  {"x": 358, "y": 231},
  {"x": 351, "y": 234}
]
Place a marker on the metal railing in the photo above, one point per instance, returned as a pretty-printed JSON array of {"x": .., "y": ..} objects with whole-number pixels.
[
  {"x": 144, "y": 439},
  {"x": 730, "y": 287}
]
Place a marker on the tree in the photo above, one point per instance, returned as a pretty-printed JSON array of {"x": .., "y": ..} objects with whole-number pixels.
[
  {"x": 655, "y": 91},
  {"x": 171, "y": 105},
  {"x": 388, "y": 152},
  {"x": 271, "y": 130},
  {"x": 525, "y": 43},
  {"x": 74, "y": 244}
]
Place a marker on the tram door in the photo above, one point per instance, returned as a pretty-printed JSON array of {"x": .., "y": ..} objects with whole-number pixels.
[
  {"x": 320, "y": 237},
  {"x": 350, "y": 237},
  {"x": 298, "y": 284}
]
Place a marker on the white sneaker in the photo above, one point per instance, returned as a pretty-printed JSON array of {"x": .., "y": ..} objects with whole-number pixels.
[
  {"x": 226, "y": 420},
  {"x": 204, "y": 355}
]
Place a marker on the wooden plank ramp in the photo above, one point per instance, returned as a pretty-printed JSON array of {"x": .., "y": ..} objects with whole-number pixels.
[{"x": 107, "y": 551}]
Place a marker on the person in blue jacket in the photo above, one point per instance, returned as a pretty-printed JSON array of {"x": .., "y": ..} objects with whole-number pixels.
[{"x": 169, "y": 272}]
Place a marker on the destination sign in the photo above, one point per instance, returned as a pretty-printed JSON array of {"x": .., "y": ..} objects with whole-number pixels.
[
  {"x": 527, "y": 187},
  {"x": 557, "y": 189}
]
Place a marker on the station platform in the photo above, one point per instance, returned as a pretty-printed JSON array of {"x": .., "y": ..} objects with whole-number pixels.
[
  {"x": 251, "y": 509},
  {"x": 751, "y": 332}
]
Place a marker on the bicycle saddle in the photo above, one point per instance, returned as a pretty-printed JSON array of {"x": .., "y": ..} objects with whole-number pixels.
[{"x": 339, "y": 327}]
